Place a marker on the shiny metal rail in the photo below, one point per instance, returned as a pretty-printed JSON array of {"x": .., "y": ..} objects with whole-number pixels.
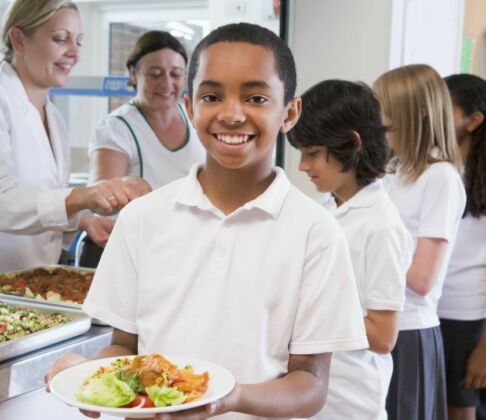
[{"x": 26, "y": 373}]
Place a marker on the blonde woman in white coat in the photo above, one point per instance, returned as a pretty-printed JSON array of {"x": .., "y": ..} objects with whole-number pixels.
[{"x": 42, "y": 39}]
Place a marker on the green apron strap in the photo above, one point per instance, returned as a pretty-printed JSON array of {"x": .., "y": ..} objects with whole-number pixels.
[{"x": 139, "y": 152}]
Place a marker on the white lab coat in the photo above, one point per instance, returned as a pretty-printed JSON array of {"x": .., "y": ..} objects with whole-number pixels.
[{"x": 34, "y": 176}]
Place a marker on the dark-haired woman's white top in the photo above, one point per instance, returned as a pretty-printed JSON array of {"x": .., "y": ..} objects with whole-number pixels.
[
  {"x": 34, "y": 174},
  {"x": 160, "y": 164}
]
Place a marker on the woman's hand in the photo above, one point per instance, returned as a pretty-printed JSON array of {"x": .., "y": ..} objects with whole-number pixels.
[
  {"x": 139, "y": 184},
  {"x": 104, "y": 197},
  {"x": 224, "y": 405},
  {"x": 98, "y": 228}
]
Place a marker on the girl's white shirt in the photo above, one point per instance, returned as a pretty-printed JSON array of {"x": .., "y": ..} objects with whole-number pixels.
[
  {"x": 160, "y": 164},
  {"x": 464, "y": 294},
  {"x": 381, "y": 251},
  {"x": 34, "y": 175},
  {"x": 430, "y": 207}
]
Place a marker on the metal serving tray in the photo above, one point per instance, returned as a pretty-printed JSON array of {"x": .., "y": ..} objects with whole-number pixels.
[
  {"x": 24, "y": 300},
  {"x": 79, "y": 324},
  {"x": 52, "y": 267}
]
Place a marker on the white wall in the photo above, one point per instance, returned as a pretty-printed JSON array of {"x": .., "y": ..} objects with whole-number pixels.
[
  {"x": 260, "y": 12},
  {"x": 359, "y": 40},
  {"x": 427, "y": 31},
  {"x": 345, "y": 39}
]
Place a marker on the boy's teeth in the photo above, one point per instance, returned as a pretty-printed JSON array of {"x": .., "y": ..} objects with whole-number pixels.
[{"x": 233, "y": 139}]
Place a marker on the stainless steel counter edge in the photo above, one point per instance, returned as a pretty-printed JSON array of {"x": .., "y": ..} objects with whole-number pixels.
[{"x": 26, "y": 373}]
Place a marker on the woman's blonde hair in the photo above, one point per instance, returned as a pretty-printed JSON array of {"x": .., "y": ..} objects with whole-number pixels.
[
  {"x": 27, "y": 15},
  {"x": 417, "y": 101}
]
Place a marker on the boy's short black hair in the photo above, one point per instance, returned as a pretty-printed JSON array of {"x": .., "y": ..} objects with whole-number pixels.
[
  {"x": 331, "y": 111},
  {"x": 255, "y": 35}
]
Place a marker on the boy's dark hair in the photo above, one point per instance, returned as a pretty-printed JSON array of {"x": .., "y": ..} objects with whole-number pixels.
[
  {"x": 254, "y": 35},
  {"x": 153, "y": 41},
  {"x": 331, "y": 111},
  {"x": 468, "y": 92}
]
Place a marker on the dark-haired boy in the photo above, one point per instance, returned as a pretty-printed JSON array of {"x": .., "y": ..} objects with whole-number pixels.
[
  {"x": 233, "y": 264},
  {"x": 344, "y": 151}
]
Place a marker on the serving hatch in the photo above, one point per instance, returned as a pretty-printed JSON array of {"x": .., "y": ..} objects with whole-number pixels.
[{"x": 76, "y": 324}]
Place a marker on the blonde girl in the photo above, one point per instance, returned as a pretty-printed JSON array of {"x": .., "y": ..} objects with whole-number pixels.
[{"x": 426, "y": 187}]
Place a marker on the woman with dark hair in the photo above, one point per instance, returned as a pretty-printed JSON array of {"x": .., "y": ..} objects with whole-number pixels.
[
  {"x": 150, "y": 137},
  {"x": 462, "y": 307}
]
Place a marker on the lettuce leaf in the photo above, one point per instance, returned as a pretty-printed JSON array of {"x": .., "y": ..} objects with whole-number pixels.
[
  {"x": 107, "y": 391},
  {"x": 132, "y": 379},
  {"x": 162, "y": 396}
]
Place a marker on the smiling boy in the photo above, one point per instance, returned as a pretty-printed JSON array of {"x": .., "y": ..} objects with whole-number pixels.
[{"x": 233, "y": 264}]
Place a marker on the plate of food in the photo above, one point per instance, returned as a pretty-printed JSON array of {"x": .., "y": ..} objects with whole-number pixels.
[{"x": 142, "y": 386}]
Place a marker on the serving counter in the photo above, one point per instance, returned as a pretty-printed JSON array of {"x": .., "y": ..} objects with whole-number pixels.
[{"x": 23, "y": 377}]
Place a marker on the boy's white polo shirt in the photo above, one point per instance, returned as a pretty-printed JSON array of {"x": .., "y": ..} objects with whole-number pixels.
[
  {"x": 245, "y": 290},
  {"x": 381, "y": 251},
  {"x": 430, "y": 207}
]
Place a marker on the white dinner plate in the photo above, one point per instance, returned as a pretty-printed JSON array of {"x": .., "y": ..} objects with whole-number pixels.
[{"x": 65, "y": 385}]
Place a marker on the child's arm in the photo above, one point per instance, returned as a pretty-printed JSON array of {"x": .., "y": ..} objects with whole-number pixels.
[
  {"x": 300, "y": 393},
  {"x": 476, "y": 365},
  {"x": 426, "y": 264},
  {"x": 381, "y": 330},
  {"x": 122, "y": 344}
]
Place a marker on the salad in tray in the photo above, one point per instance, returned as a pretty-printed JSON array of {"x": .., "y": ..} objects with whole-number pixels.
[
  {"x": 16, "y": 322},
  {"x": 142, "y": 382}
]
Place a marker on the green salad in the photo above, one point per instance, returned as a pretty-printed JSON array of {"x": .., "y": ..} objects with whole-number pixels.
[{"x": 142, "y": 382}]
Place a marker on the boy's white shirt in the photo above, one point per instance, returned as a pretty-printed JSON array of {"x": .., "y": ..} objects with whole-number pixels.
[
  {"x": 245, "y": 291},
  {"x": 430, "y": 207},
  {"x": 160, "y": 165},
  {"x": 381, "y": 251},
  {"x": 464, "y": 293}
]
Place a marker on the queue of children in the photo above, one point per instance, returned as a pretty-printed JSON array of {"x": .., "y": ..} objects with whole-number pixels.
[{"x": 268, "y": 283}]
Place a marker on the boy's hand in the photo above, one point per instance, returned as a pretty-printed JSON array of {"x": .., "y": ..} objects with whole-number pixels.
[
  {"x": 60, "y": 364},
  {"x": 68, "y": 360},
  {"x": 476, "y": 368},
  {"x": 224, "y": 405}
]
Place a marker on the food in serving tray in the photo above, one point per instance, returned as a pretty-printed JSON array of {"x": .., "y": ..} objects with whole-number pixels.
[
  {"x": 57, "y": 285},
  {"x": 142, "y": 382},
  {"x": 17, "y": 322}
]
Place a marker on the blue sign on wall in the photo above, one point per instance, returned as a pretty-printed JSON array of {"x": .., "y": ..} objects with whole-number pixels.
[{"x": 96, "y": 86}]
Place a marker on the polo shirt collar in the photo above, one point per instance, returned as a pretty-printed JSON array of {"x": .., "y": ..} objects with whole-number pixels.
[
  {"x": 270, "y": 201},
  {"x": 366, "y": 197}
]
